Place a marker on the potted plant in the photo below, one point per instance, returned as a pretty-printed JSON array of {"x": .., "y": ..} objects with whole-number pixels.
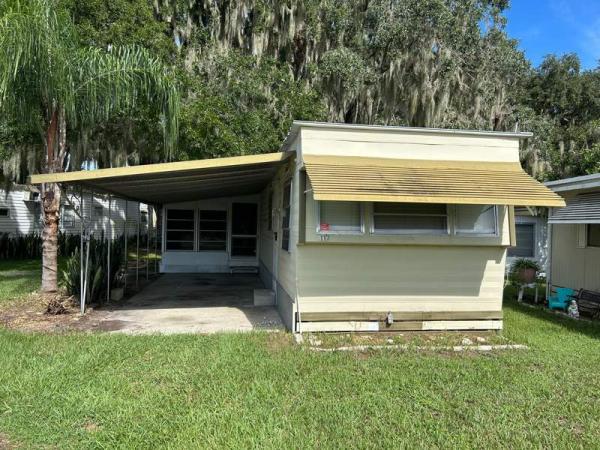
[
  {"x": 525, "y": 270},
  {"x": 117, "y": 291}
]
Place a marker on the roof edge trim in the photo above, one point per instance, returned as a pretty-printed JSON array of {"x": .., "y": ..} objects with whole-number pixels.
[{"x": 146, "y": 169}]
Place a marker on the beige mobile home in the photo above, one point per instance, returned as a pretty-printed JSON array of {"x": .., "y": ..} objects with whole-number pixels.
[{"x": 352, "y": 227}]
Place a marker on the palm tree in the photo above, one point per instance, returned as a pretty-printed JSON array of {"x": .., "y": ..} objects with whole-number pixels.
[{"x": 50, "y": 82}]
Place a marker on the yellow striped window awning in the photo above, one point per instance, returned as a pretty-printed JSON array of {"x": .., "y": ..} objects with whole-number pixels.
[{"x": 343, "y": 178}]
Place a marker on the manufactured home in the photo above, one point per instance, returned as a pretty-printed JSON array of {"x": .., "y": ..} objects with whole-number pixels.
[
  {"x": 575, "y": 234},
  {"x": 352, "y": 227},
  {"x": 20, "y": 213}
]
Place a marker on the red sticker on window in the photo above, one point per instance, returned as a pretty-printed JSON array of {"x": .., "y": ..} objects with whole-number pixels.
[{"x": 324, "y": 227}]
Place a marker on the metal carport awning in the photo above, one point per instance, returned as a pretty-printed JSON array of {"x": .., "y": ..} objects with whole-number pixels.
[
  {"x": 177, "y": 181},
  {"x": 342, "y": 178},
  {"x": 583, "y": 208}
]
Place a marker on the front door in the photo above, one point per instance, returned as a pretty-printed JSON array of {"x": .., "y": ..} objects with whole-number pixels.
[{"x": 244, "y": 228}]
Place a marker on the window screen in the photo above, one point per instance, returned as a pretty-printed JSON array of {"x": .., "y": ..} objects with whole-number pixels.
[
  {"x": 68, "y": 217},
  {"x": 410, "y": 218},
  {"x": 285, "y": 218},
  {"x": 4, "y": 212},
  {"x": 593, "y": 235},
  {"x": 475, "y": 219},
  {"x": 340, "y": 217},
  {"x": 525, "y": 247},
  {"x": 180, "y": 229},
  {"x": 213, "y": 230}
]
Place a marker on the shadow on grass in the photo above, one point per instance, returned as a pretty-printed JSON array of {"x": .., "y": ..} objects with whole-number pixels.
[{"x": 584, "y": 326}]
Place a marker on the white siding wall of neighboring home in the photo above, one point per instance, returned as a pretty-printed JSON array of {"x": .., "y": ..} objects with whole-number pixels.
[
  {"x": 24, "y": 216},
  {"x": 574, "y": 264},
  {"x": 19, "y": 216},
  {"x": 383, "y": 143},
  {"x": 96, "y": 208}
]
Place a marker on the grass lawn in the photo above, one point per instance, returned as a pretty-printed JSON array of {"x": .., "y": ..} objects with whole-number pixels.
[
  {"x": 259, "y": 390},
  {"x": 20, "y": 277}
]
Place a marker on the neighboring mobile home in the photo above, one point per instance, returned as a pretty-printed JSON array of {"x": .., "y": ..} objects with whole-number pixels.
[
  {"x": 353, "y": 227},
  {"x": 20, "y": 213},
  {"x": 575, "y": 234}
]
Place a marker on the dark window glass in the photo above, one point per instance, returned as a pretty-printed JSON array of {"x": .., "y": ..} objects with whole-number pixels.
[
  {"x": 243, "y": 246},
  {"x": 593, "y": 235},
  {"x": 244, "y": 228},
  {"x": 525, "y": 247},
  {"x": 244, "y": 219},
  {"x": 180, "y": 214},
  {"x": 180, "y": 229},
  {"x": 180, "y": 235},
  {"x": 213, "y": 231},
  {"x": 174, "y": 245},
  {"x": 410, "y": 218},
  {"x": 285, "y": 218}
]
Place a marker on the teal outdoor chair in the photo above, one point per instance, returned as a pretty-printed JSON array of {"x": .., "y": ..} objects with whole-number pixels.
[{"x": 562, "y": 298}]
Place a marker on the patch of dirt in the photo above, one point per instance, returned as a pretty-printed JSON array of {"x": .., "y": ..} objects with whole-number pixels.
[
  {"x": 278, "y": 341},
  {"x": 29, "y": 315},
  {"x": 91, "y": 427},
  {"x": 411, "y": 338},
  {"x": 5, "y": 443}
]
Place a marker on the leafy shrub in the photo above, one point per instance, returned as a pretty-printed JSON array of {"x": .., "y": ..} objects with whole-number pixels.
[
  {"x": 97, "y": 269},
  {"x": 29, "y": 246}
]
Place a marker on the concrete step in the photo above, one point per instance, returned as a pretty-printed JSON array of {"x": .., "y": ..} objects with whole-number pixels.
[{"x": 264, "y": 297}]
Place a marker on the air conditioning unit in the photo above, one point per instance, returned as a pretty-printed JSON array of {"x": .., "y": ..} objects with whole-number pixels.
[{"x": 31, "y": 196}]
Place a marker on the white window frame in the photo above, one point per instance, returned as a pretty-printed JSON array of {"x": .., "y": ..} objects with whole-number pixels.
[
  {"x": 411, "y": 232},
  {"x": 7, "y": 209},
  {"x": 194, "y": 241},
  {"x": 340, "y": 232},
  {"x": 198, "y": 219},
  {"x": 455, "y": 232}
]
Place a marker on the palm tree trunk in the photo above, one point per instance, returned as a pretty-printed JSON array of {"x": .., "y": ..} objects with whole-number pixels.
[{"x": 51, "y": 194}]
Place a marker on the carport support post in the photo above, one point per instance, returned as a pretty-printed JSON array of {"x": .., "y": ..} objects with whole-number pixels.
[
  {"x": 81, "y": 215},
  {"x": 148, "y": 242},
  {"x": 155, "y": 220},
  {"x": 108, "y": 243},
  {"x": 137, "y": 249},
  {"x": 125, "y": 235}
]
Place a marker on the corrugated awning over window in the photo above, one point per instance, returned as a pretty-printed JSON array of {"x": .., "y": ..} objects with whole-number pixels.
[
  {"x": 583, "y": 208},
  {"x": 177, "y": 181},
  {"x": 345, "y": 178}
]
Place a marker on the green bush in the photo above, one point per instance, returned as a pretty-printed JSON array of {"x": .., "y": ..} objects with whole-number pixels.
[
  {"x": 97, "y": 269},
  {"x": 29, "y": 246}
]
